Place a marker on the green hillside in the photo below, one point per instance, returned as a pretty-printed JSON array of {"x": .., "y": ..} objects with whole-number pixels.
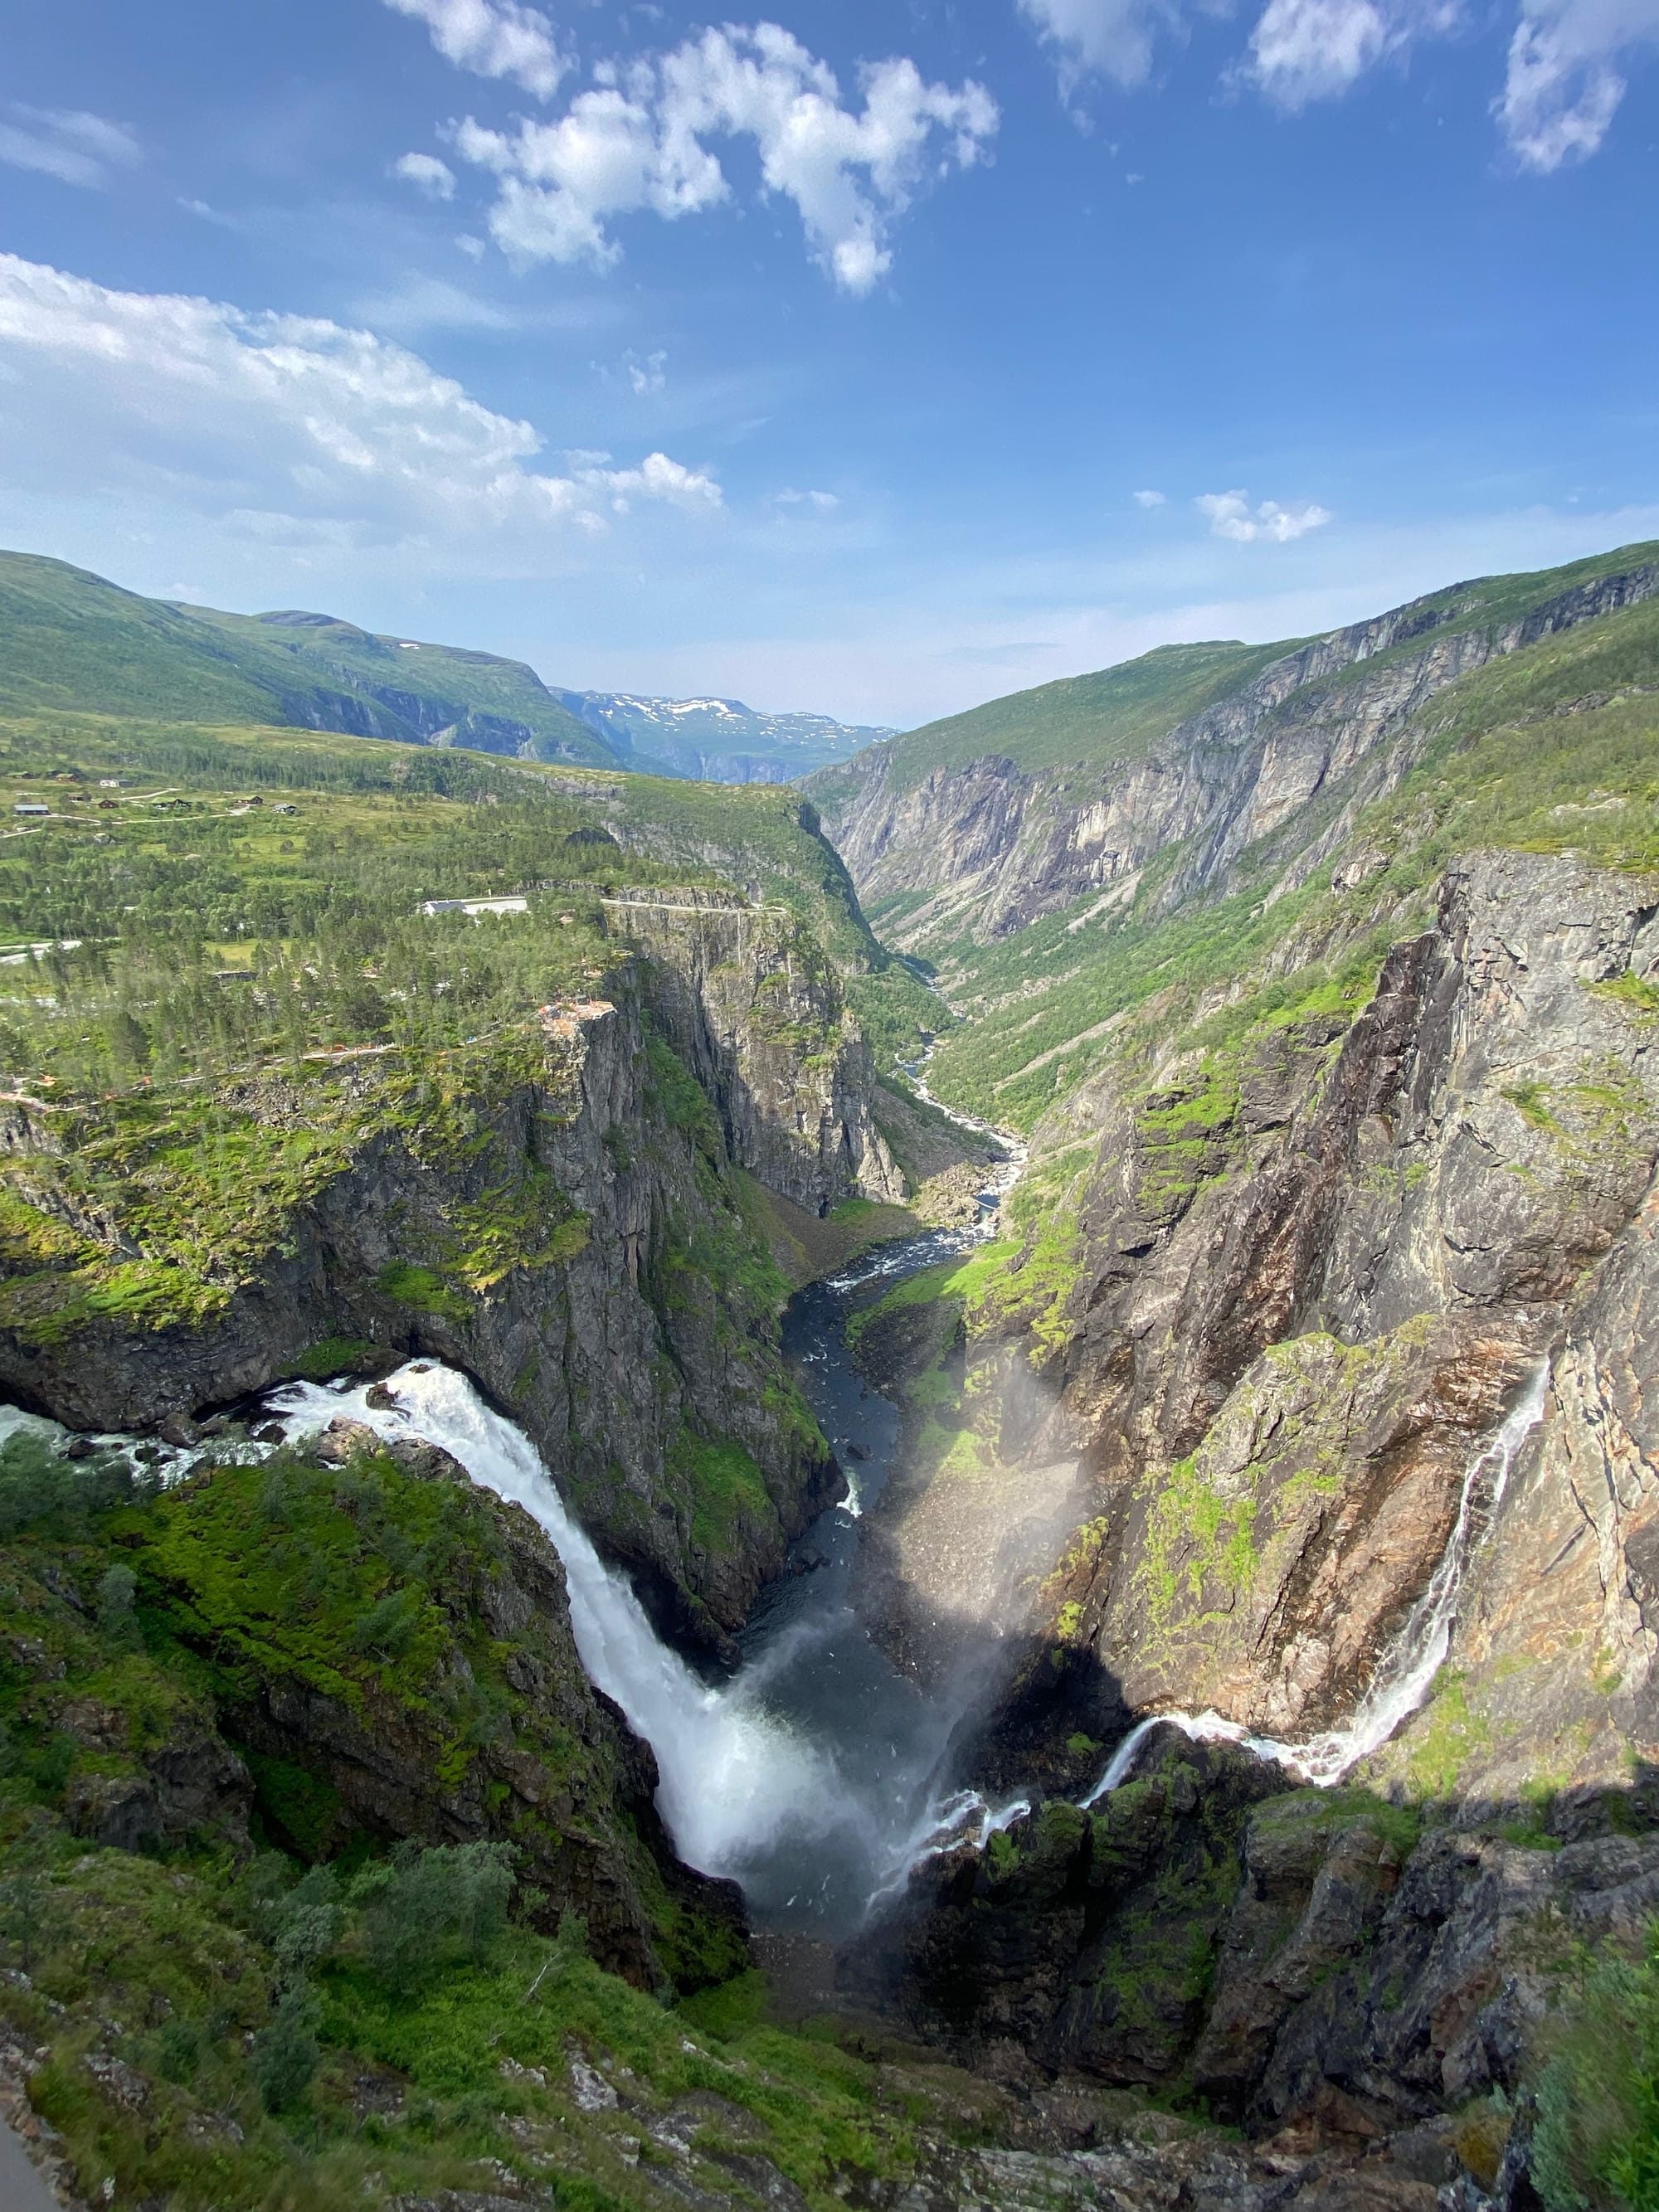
[
  {"x": 1114, "y": 715},
  {"x": 1554, "y": 748},
  {"x": 176, "y": 864},
  {"x": 324, "y": 649},
  {"x": 72, "y": 642}
]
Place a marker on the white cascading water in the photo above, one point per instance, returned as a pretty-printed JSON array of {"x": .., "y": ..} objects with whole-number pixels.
[
  {"x": 730, "y": 1778},
  {"x": 1407, "y": 1672}
]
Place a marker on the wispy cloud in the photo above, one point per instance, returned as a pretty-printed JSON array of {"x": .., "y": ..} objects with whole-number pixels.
[
  {"x": 1150, "y": 499},
  {"x": 493, "y": 38},
  {"x": 1113, "y": 38},
  {"x": 822, "y": 502},
  {"x": 1306, "y": 50},
  {"x": 435, "y": 178},
  {"x": 67, "y": 143},
  {"x": 1231, "y": 515},
  {"x": 646, "y": 375},
  {"x": 1563, "y": 86}
]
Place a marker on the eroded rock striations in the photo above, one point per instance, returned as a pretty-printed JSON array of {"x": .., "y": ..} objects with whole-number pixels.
[
  {"x": 987, "y": 846},
  {"x": 1307, "y": 1281}
]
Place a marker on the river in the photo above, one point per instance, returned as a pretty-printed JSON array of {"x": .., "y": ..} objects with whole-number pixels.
[{"x": 816, "y": 1775}]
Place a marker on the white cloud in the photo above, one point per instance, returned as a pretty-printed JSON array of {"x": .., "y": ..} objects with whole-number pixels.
[
  {"x": 635, "y": 142},
  {"x": 67, "y": 143},
  {"x": 825, "y": 501},
  {"x": 1308, "y": 50},
  {"x": 283, "y": 429},
  {"x": 1563, "y": 85},
  {"x": 427, "y": 303},
  {"x": 493, "y": 38},
  {"x": 1111, "y": 37},
  {"x": 1561, "y": 90},
  {"x": 647, "y": 375},
  {"x": 427, "y": 173},
  {"x": 1150, "y": 499},
  {"x": 1232, "y": 516}
]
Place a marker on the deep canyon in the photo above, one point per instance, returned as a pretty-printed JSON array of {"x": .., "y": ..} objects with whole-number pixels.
[{"x": 981, "y": 1441}]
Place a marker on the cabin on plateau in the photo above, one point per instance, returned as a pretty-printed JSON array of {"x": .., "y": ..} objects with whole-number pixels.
[{"x": 475, "y": 906}]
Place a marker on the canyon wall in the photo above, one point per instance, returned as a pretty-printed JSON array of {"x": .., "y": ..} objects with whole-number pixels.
[
  {"x": 983, "y": 848},
  {"x": 571, "y": 1229}
]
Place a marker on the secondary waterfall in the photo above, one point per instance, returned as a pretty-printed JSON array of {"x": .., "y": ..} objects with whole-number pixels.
[{"x": 1407, "y": 1672}]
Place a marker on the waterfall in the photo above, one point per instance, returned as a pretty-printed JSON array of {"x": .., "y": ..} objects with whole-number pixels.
[
  {"x": 730, "y": 1779},
  {"x": 1406, "y": 1672}
]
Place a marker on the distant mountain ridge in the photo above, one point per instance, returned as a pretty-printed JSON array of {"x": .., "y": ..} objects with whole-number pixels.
[
  {"x": 718, "y": 740},
  {"x": 73, "y": 641}
]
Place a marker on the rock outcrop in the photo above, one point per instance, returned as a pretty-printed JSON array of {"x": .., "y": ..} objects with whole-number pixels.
[
  {"x": 1310, "y": 1273},
  {"x": 455, "y": 1709},
  {"x": 1082, "y": 1940},
  {"x": 754, "y": 1008},
  {"x": 574, "y": 1240}
]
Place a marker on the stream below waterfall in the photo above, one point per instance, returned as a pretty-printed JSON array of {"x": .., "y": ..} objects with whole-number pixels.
[{"x": 818, "y": 1774}]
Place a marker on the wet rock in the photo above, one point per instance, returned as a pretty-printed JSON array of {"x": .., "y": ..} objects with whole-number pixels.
[
  {"x": 344, "y": 1440},
  {"x": 1083, "y": 1939}
]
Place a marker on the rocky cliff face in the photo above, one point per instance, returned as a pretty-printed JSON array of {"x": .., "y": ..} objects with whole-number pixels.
[
  {"x": 1319, "y": 1967},
  {"x": 571, "y": 1233},
  {"x": 983, "y": 849},
  {"x": 1310, "y": 1270},
  {"x": 754, "y": 1011}
]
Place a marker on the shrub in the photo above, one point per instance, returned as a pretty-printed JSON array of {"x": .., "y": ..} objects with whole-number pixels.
[
  {"x": 421, "y": 1909},
  {"x": 1596, "y": 2141},
  {"x": 116, "y": 1618},
  {"x": 48, "y": 1494},
  {"x": 286, "y": 2050}
]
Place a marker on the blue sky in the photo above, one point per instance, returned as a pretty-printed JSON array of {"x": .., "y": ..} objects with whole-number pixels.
[{"x": 872, "y": 359}]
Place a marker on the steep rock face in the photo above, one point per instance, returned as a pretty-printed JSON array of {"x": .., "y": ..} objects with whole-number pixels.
[
  {"x": 991, "y": 846},
  {"x": 1552, "y": 1678},
  {"x": 1309, "y": 1283},
  {"x": 578, "y": 1248},
  {"x": 754, "y": 1010},
  {"x": 1311, "y": 1963},
  {"x": 1364, "y": 1994}
]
